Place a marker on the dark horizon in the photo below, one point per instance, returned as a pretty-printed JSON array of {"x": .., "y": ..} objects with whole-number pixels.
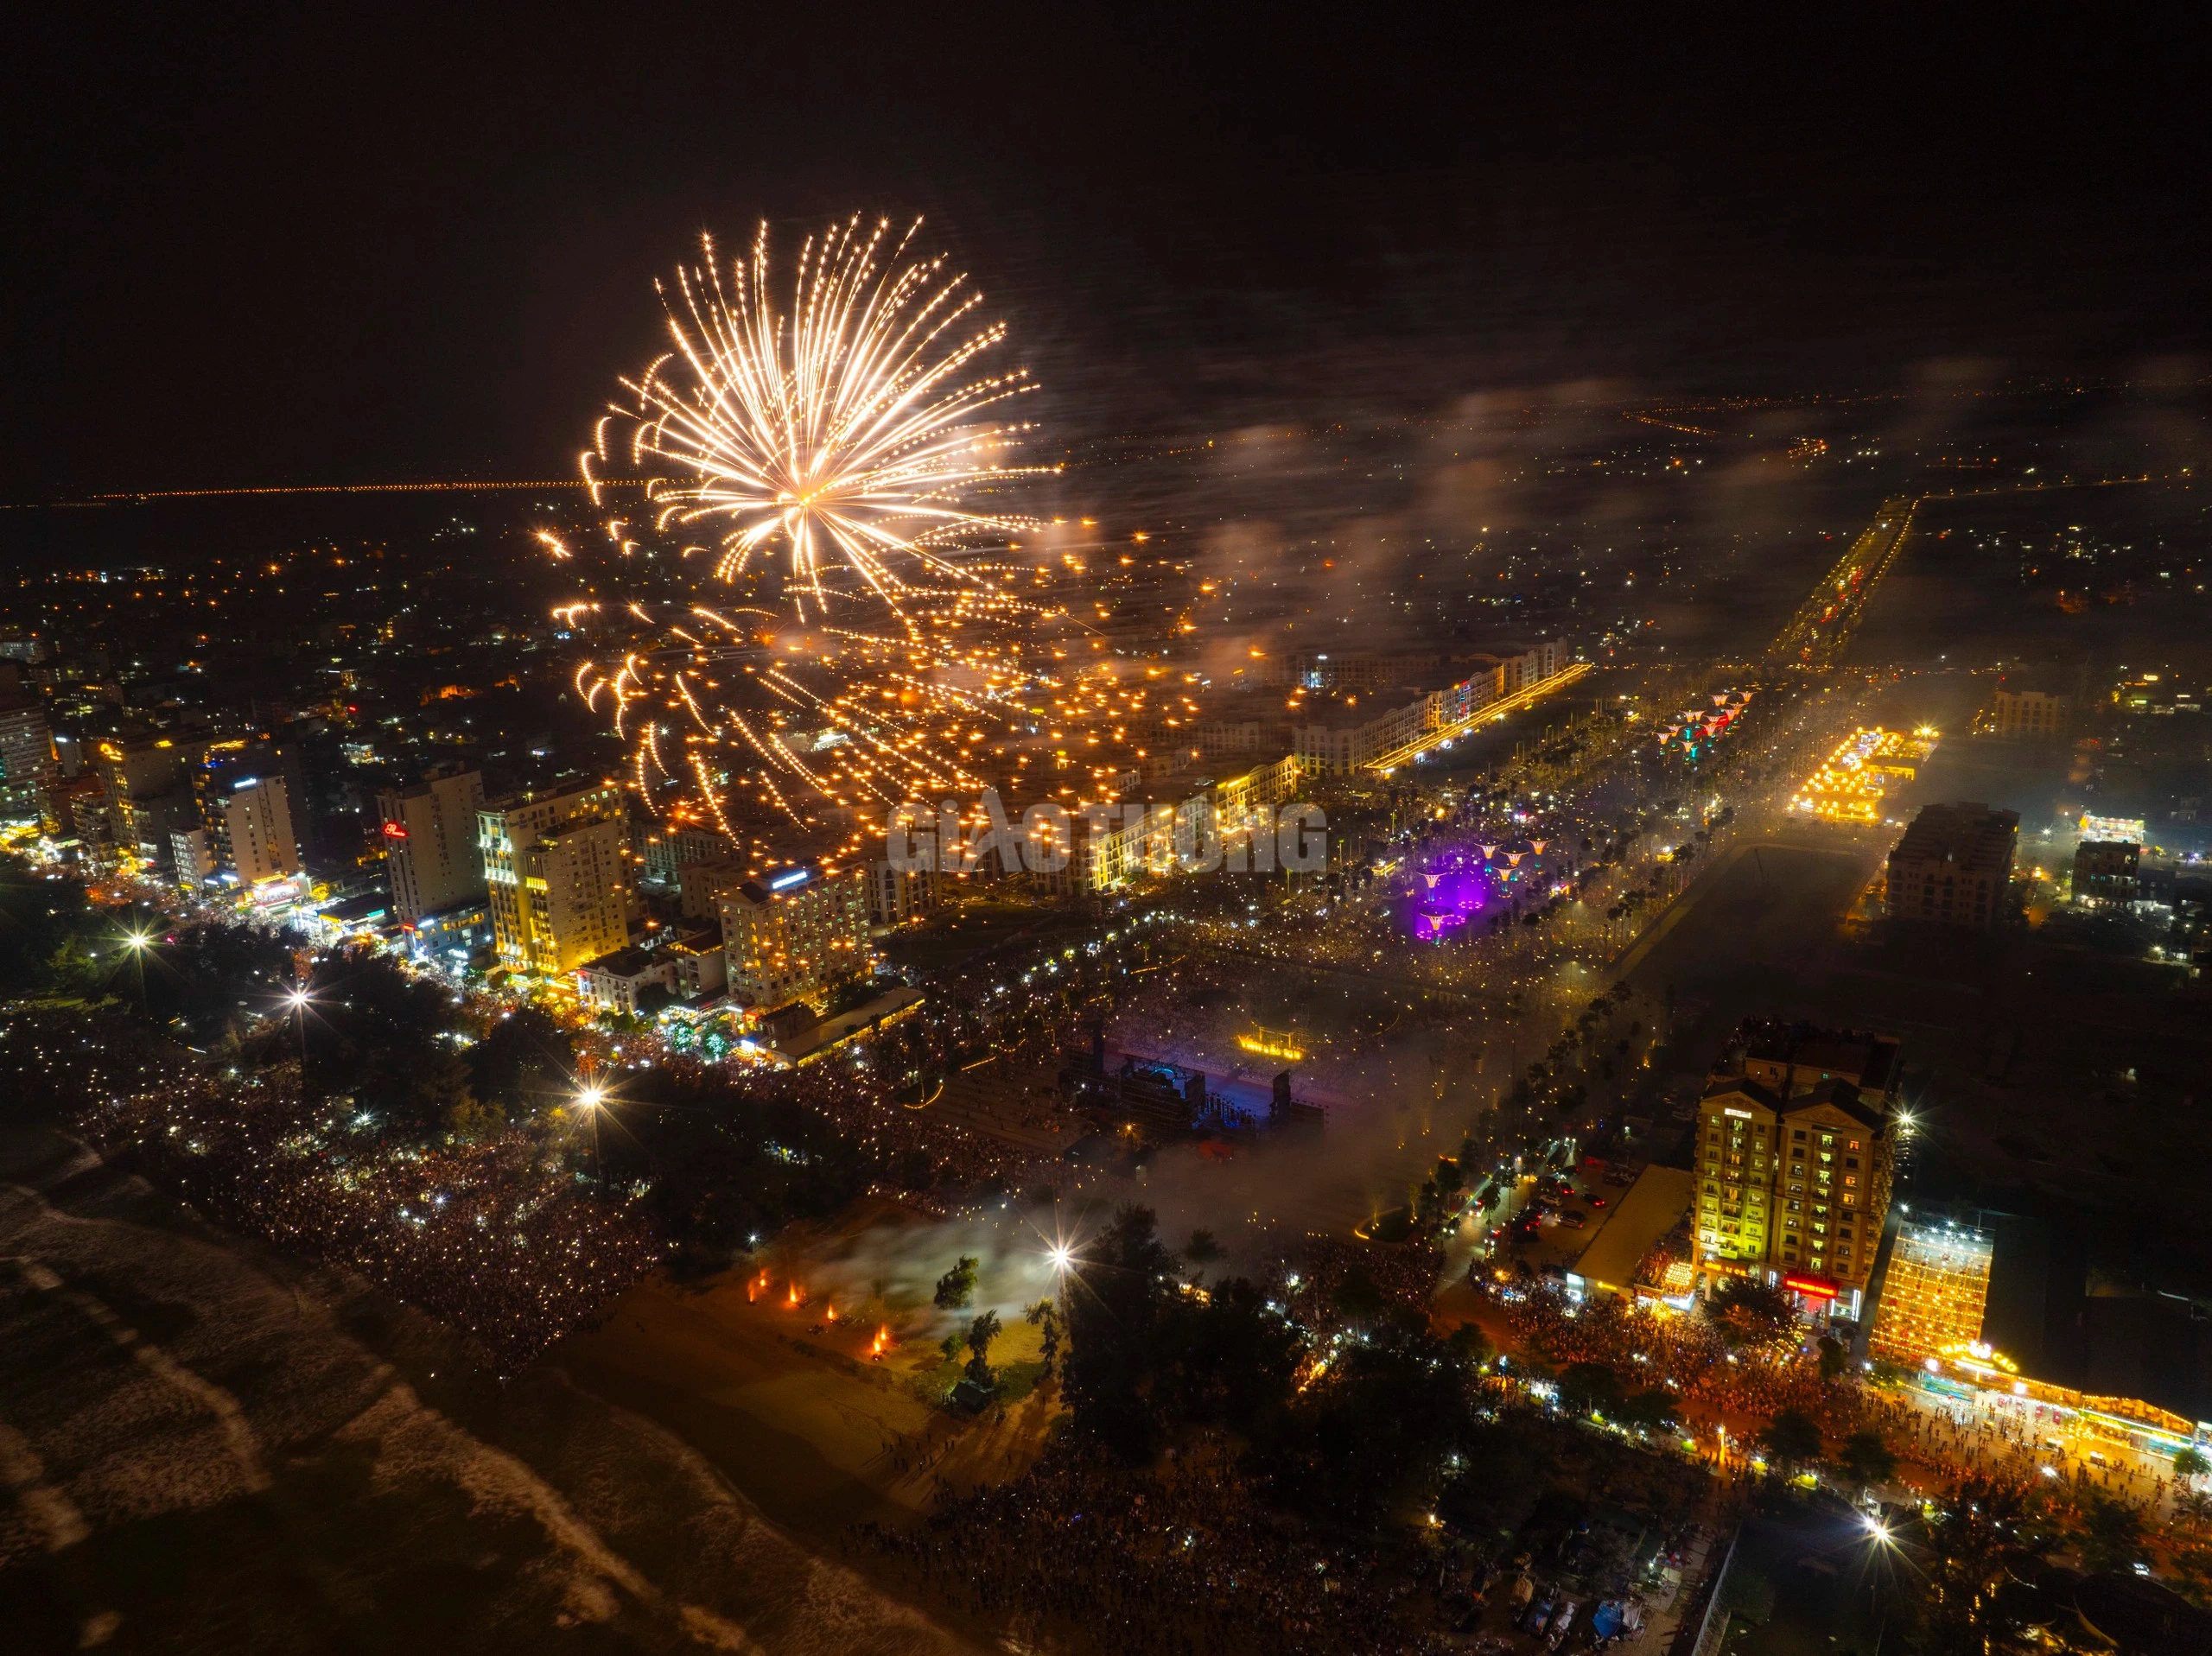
[{"x": 298, "y": 254}]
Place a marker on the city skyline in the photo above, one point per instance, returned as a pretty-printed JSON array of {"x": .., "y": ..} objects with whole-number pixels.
[{"x": 1106, "y": 834}]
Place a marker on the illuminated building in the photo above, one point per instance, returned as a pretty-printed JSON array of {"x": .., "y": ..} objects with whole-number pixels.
[
  {"x": 430, "y": 842},
  {"x": 896, "y": 895},
  {"x": 1935, "y": 1294},
  {"x": 27, "y": 767},
  {"x": 553, "y": 867},
  {"x": 1953, "y": 865},
  {"x": 2106, "y": 871},
  {"x": 2037, "y": 713},
  {"x": 794, "y": 933},
  {"x": 670, "y": 849},
  {"x": 1795, "y": 1145},
  {"x": 193, "y": 858},
  {"x": 619, "y": 981},
  {"x": 1352, "y": 741},
  {"x": 257, "y": 818},
  {"x": 222, "y": 768},
  {"x": 700, "y": 885},
  {"x": 2125, "y": 828},
  {"x": 701, "y": 968},
  {"x": 142, "y": 779}
]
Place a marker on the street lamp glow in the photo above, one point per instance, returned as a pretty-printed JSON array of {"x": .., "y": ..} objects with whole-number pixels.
[
  {"x": 136, "y": 941},
  {"x": 1061, "y": 1256},
  {"x": 298, "y": 999},
  {"x": 591, "y": 1096}
]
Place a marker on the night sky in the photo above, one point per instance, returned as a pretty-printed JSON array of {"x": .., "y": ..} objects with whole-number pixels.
[{"x": 287, "y": 250}]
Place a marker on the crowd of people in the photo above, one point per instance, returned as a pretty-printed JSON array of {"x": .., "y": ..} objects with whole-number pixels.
[
  {"x": 514, "y": 1250},
  {"x": 1685, "y": 1354},
  {"x": 1183, "y": 1558}
]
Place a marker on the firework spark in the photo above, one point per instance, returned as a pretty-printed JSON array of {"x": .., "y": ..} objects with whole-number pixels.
[
  {"x": 858, "y": 639},
  {"x": 849, "y": 429}
]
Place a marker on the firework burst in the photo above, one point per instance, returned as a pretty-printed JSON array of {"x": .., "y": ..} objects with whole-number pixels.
[
  {"x": 851, "y": 431},
  {"x": 853, "y": 636}
]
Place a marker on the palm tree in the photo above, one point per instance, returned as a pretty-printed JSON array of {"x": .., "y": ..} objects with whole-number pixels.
[
  {"x": 981, "y": 1333},
  {"x": 1046, "y": 1315}
]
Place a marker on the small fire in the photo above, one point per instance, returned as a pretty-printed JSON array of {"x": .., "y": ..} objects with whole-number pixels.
[
  {"x": 756, "y": 1287},
  {"x": 876, "y": 1346},
  {"x": 828, "y": 1313},
  {"x": 791, "y": 1299}
]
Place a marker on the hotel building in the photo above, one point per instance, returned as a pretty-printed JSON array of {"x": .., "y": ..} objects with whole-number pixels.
[{"x": 1795, "y": 1141}]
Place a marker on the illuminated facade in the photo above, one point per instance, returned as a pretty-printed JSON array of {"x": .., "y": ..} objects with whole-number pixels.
[
  {"x": 2037, "y": 713},
  {"x": 430, "y": 842},
  {"x": 27, "y": 767},
  {"x": 257, "y": 818},
  {"x": 553, "y": 865},
  {"x": 1936, "y": 1293},
  {"x": 1794, "y": 1143},
  {"x": 794, "y": 933}
]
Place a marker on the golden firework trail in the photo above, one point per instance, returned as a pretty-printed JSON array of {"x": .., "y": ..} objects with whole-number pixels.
[
  {"x": 860, "y": 641},
  {"x": 847, "y": 431}
]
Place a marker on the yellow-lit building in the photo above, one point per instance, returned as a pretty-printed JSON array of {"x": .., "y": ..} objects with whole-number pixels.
[
  {"x": 1794, "y": 1143},
  {"x": 794, "y": 933},
  {"x": 1936, "y": 1293},
  {"x": 554, "y": 866}
]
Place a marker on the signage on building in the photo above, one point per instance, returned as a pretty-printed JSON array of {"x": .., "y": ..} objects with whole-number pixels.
[{"x": 1811, "y": 1287}]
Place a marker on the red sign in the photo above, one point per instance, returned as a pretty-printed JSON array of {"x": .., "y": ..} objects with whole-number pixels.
[
  {"x": 394, "y": 831},
  {"x": 1811, "y": 1287}
]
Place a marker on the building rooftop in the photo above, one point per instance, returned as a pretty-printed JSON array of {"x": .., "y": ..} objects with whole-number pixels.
[
  {"x": 1653, "y": 1205},
  {"x": 623, "y": 963},
  {"x": 1971, "y": 835},
  {"x": 1868, "y": 1058},
  {"x": 1840, "y": 1092}
]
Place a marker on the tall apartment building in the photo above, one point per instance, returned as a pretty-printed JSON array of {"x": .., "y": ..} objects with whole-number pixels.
[
  {"x": 669, "y": 849},
  {"x": 1953, "y": 865},
  {"x": 794, "y": 933},
  {"x": 141, "y": 778},
  {"x": 430, "y": 842},
  {"x": 26, "y": 769},
  {"x": 220, "y": 769},
  {"x": 257, "y": 820},
  {"x": 896, "y": 895},
  {"x": 2037, "y": 713},
  {"x": 1795, "y": 1145},
  {"x": 554, "y": 868}
]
